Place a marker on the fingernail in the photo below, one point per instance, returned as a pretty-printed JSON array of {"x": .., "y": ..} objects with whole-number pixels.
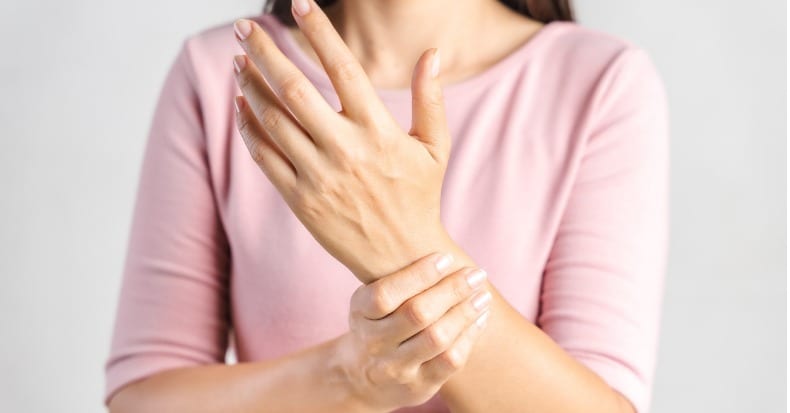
[
  {"x": 444, "y": 263},
  {"x": 238, "y": 103},
  {"x": 481, "y": 300},
  {"x": 435, "y": 64},
  {"x": 476, "y": 278},
  {"x": 301, "y": 7},
  {"x": 483, "y": 319},
  {"x": 243, "y": 28},
  {"x": 239, "y": 63}
]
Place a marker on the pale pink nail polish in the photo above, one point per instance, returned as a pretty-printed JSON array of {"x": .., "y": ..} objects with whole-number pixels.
[
  {"x": 238, "y": 103},
  {"x": 444, "y": 263},
  {"x": 481, "y": 300},
  {"x": 243, "y": 28},
  {"x": 301, "y": 7},
  {"x": 476, "y": 278}
]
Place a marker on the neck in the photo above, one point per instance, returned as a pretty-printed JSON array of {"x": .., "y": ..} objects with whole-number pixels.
[{"x": 388, "y": 36}]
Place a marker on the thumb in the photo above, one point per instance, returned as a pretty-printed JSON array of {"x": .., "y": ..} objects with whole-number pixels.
[{"x": 429, "y": 124}]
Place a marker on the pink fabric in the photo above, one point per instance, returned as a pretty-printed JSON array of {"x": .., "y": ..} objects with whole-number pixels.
[{"x": 557, "y": 186}]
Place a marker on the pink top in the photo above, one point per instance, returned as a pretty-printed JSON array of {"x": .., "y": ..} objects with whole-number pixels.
[{"x": 556, "y": 185}]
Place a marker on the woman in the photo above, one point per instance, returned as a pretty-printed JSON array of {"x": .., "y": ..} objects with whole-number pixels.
[{"x": 545, "y": 142}]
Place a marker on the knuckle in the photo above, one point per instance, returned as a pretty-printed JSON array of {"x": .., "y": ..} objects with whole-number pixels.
[
  {"x": 255, "y": 45},
  {"x": 293, "y": 89},
  {"x": 418, "y": 313},
  {"x": 388, "y": 370},
  {"x": 433, "y": 109},
  {"x": 243, "y": 123},
  {"x": 453, "y": 359},
  {"x": 303, "y": 201},
  {"x": 344, "y": 70},
  {"x": 418, "y": 392},
  {"x": 271, "y": 116},
  {"x": 245, "y": 80},
  {"x": 379, "y": 300},
  {"x": 351, "y": 155},
  {"x": 372, "y": 346},
  {"x": 257, "y": 152},
  {"x": 437, "y": 337},
  {"x": 324, "y": 187},
  {"x": 379, "y": 127}
]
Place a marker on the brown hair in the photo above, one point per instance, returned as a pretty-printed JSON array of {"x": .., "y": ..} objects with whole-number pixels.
[{"x": 541, "y": 10}]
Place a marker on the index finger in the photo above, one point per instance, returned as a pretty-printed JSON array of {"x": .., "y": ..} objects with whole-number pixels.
[
  {"x": 385, "y": 295},
  {"x": 352, "y": 85}
]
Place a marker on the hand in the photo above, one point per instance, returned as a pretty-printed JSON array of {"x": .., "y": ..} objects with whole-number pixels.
[
  {"x": 410, "y": 331},
  {"x": 368, "y": 191}
]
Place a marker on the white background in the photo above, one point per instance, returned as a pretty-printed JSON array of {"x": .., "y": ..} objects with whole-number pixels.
[{"x": 78, "y": 84}]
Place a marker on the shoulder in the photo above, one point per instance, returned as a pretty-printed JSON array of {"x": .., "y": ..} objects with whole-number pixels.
[
  {"x": 606, "y": 59},
  {"x": 593, "y": 70}
]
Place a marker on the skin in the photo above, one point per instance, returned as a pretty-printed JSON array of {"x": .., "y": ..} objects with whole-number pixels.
[{"x": 369, "y": 193}]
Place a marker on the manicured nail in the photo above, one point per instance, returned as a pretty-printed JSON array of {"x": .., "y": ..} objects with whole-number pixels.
[
  {"x": 435, "y": 64},
  {"x": 238, "y": 103},
  {"x": 444, "y": 263},
  {"x": 243, "y": 28},
  {"x": 301, "y": 7},
  {"x": 481, "y": 300},
  {"x": 483, "y": 319},
  {"x": 476, "y": 278},
  {"x": 239, "y": 63}
]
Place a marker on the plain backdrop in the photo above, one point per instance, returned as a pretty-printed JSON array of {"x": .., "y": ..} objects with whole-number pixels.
[{"x": 78, "y": 84}]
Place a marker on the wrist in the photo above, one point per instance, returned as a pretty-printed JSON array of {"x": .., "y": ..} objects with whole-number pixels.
[{"x": 400, "y": 254}]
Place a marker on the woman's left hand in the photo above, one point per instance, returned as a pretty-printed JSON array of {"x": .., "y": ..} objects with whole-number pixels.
[{"x": 368, "y": 191}]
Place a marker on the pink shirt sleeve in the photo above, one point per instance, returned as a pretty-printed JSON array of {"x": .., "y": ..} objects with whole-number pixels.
[
  {"x": 603, "y": 282},
  {"x": 173, "y": 303}
]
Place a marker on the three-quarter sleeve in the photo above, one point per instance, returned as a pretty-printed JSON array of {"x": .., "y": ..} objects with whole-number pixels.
[
  {"x": 603, "y": 282},
  {"x": 172, "y": 310}
]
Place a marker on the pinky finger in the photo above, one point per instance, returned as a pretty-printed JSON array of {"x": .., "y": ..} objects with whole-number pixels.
[
  {"x": 440, "y": 368},
  {"x": 263, "y": 150}
]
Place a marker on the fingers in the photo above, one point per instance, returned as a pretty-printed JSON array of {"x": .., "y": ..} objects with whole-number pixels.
[
  {"x": 357, "y": 95},
  {"x": 264, "y": 151},
  {"x": 422, "y": 310},
  {"x": 439, "y": 336},
  {"x": 429, "y": 123},
  {"x": 382, "y": 297},
  {"x": 441, "y": 367},
  {"x": 278, "y": 124},
  {"x": 287, "y": 82}
]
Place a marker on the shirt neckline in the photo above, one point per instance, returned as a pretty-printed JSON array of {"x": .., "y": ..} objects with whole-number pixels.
[{"x": 315, "y": 72}]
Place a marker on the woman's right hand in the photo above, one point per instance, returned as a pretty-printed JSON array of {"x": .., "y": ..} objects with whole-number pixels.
[{"x": 411, "y": 330}]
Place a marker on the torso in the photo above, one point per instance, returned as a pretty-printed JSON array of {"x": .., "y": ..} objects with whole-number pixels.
[{"x": 516, "y": 130}]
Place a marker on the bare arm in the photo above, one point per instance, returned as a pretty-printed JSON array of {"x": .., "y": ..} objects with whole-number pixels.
[
  {"x": 308, "y": 381},
  {"x": 516, "y": 367},
  {"x": 387, "y": 360}
]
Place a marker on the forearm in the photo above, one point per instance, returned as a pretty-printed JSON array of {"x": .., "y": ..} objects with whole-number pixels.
[
  {"x": 308, "y": 381},
  {"x": 515, "y": 367}
]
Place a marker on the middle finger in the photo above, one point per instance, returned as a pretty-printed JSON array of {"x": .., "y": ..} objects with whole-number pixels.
[{"x": 424, "y": 309}]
